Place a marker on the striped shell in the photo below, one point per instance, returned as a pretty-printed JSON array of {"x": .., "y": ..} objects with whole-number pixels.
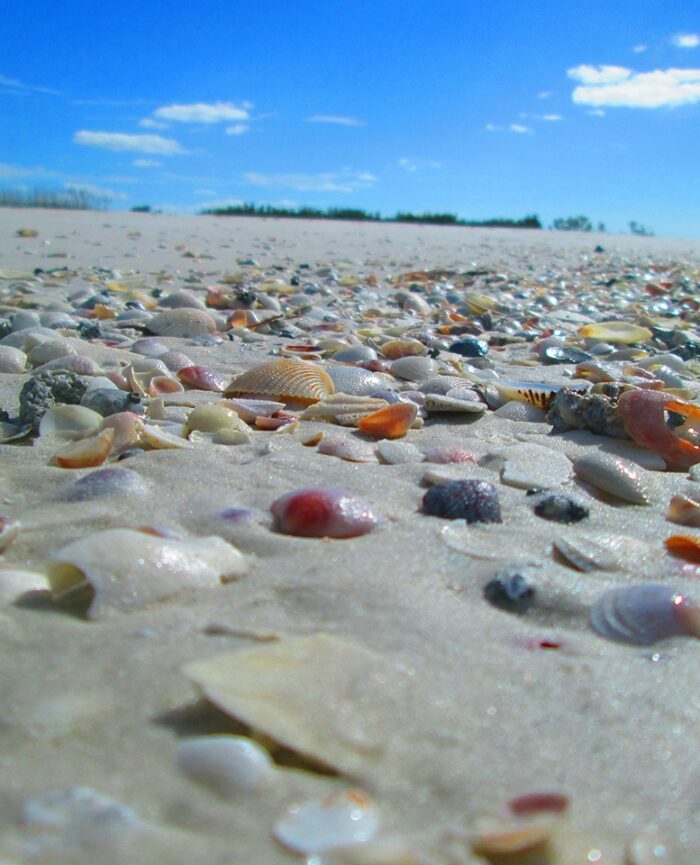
[
  {"x": 537, "y": 394},
  {"x": 344, "y": 409},
  {"x": 644, "y": 614},
  {"x": 183, "y": 322},
  {"x": 685, "y": 546},
  {"x": 602, "y": 552},
  {"x": 285, "y": 379}
]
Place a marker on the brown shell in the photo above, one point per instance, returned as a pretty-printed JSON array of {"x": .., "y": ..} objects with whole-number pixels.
[
  {"x": 286, "y": 379},
  {"x": 185, "y": 322},
  {"x": 685, "y": 546}
]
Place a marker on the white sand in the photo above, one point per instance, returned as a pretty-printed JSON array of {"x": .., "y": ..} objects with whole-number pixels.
[{"x": 473, "y": 716}]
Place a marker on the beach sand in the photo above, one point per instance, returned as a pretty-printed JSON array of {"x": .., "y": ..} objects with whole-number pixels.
[{"x": 438, "y": 705}]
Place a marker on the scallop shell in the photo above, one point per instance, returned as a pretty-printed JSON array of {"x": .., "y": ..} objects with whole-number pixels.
[
  {"x": 286, "y": 379},
  {"x": 104, "y": 482},
  {"x": 602, "y": 552},
  {"x": 344, "y": 409},
  {"x": 615, "y": 332},
  {"x": 356, "y": 381},
  {"x": 174, "y": 360},
  {"x": 77, "y": 363},
  {"x": 644, "y": 614},
  {"x": 327, "y": 699},
  {"x": 614, "y": 475},
  {"x": 342, "y": 819},
  {"x": 228, "y": 765},
  {"x": 202, "y": 378},
  {"x": 183, "y": 322},
  {"x": 128, "y": 570}
]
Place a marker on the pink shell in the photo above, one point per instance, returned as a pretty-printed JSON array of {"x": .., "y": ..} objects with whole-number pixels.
[
  {"x": 202, "y": 378},
  {"x": 449, "y": 454},
  {"x": 324, "y": 512}
]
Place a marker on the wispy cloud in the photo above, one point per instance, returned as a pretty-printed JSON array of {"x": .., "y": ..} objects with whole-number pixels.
[
  {"x": 337, "y": 119},
  {"x": 237, "y": 129},
  {"x": 146, "y": 163},
  {"x": 112, "y": 103},
  {"x": 342, "y": 181},
  {"x": 686, "y": 40},
  {"x": 518, "y": 128},
  {"x": 23, "y": 172},
  {"x": 121, "y": 141},
  {"x": 545, "y": 94},
  {"x": 203, "y": 112},
  {"x": 20, "y": 86},
  {"x": 549, "y": 118},
  {"x": 98, "y": 191},
  {"x": 639, "y": 49},
  {"x": 410, "y": 164},
  {"x": 150, "y": 123},
  {"x": 616, "y": 86}
]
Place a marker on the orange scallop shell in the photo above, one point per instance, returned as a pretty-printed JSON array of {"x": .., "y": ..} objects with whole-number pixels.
[
  {"x": 391, "y": 422},
  {"x": 286, "y": 379}
]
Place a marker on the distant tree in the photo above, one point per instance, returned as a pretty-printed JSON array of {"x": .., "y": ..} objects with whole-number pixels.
[
  {"x": 141, "y": 208},
  {"x": 72, "y": 198},
  {"x": 601, "y": 228},
  {"x": 572, "y": 223},
  {"x": 640, "y": 230}
]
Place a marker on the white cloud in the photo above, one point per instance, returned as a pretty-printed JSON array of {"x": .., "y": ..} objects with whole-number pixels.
[
  {"x": 520, "y": 129},
  {"x": 21, "y": 172},
  {"x": 150, "y": 123},
  {"x": 596, "y": 112},
  {"x": 202, "y": 112},
  {"x": 545, "y": 94},
  {"x": 550, "y": 118},
  {"x": 146, "y": 163},
  {"x": 409, "y": 164},
  {"x": 339, "y": 120},
  {"x": 237, "y": 129},
  {"x": 207, "y": 193},
  {"x": 686, "y": 40},
  {"x": 16, "y": 85},
  {"x": 615, "y": 86},
  {"x": 122, "y": 141},
  {"x": 219, "y": 203},
  {"x": 343, "y": 181},
  {"x": 640, "y": 49},
  {"x": 97, "y": 191}
]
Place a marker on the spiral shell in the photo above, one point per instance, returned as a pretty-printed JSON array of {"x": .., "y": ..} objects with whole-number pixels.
[
  {"x": 644, "y": 614},
  {"x": 286, "y": 379}
]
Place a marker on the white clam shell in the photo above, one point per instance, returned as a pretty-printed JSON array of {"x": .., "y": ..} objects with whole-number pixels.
[
  {"x": 357, "y": 381},
  {"x": 435, "y": 402},
  {"x": 49, "y": 350},
  {"x": 614, "y": 475},
  {"x": 77, "y": 363},
  {"x": 70, "y": 422},
  {"x": 341, "y": 819},
  {"x": 129, "y": 569},
  {"x": 603, "y": 552},
  {"x": 413, "y": 368},
  {"x": 398, "y": 452},
  {"x": 228, "y": 765},
  {"x": 12, "y": 359},
  {"x": 530, "y": 465}
]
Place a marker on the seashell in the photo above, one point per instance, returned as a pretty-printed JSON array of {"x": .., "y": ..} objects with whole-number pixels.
[
  {"x": 536, "y": 803},
  {"x": 9, "y": 529},
  {"x": 441, "y": 384},
  {"x": 642, "y": 412},
  {"x": 596, "y": 412},
  {"x": 483, "y": 541},
  {"x": 159, "y": 439},
  {"x": 553, "y": 354},
  {"x": 87, "y": 452},
  {"x": 149, "y": 346},
  {"x": 13, "y": 584},
  {"x": 356, "y": 381},
  {"x": 413, "y": 368},
  {"x": 210, "y": 418},
  {"x": 684, "y": 511},
  {"x": 391, "y": 422},
  {"x": 103, "y": 482},
  {"x": 398, "y": 453},
  {"x": 535, "y": 393},
  {"x": 644, "y": 614},
  {"x": 128, "y": 430},
  {"x": 560, "y": 508},
  {"x": 472, "y": 500},
  {"x": 444, "y": 454},
  {"x": 76, "y": 363},
  {"x": 528, "y": 465},
  {"x": 602, "y": 552},
  {"x": 685, "y": 546},
  {"x": 351, "y": 449},
  {"x": 250, "y": 409},
  {"x": 450, "y": 403},
  {"x": 49, "y": 350},
  {"x": 128, "y": 570},
  {"x": 27, "y": 232},
  {"x": 185, "y": 322},
  {"x": 10, "y": 432},
  {"x": 327, "y": 699},
  {"x": 470, "y": 347},
  {"x": 510, "y": 590},
  {"x": 228, "y": 765},
  {"x": 70, "y": 422},
  {"x": 355, "y": 354},
  {"x": 109, "y": 401},
  {"x": 510, "y": 836},
  {"x": 226, "y": 436},
  {"x": 614, "y": 475},
  {"x": 284, "y": 421},
  {"x": 342, "y": 819},
  {"x": 394, "y": 349},
  {"x": 12, "y": 359},
  {"x": 202, "y": 378},
  {"x": 286, "y": 379},
  {"x": 520, "y": 411},
  {"x": 181, "y": 300},
  {"x": 175, "y": 360},
  {"x": 615, "y": 332},
  {"x": 324, "y": 512},
  {"x": 344, "y": 409}
]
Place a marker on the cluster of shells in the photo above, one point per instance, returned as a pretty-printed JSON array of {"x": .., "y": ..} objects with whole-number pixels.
[{"x": 359, "y": 370}]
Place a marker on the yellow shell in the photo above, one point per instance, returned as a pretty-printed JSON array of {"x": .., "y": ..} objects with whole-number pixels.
[
  {"x": 615, "y": 332},
  {"x": 285, "y": 379}
]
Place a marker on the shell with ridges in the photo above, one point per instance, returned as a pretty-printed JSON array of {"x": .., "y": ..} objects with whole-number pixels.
[
  {"x": 644, "y": 614},
  {"x": 344, "y": 409},
  {"x": 12, "y": 359},
  {"x": 128, "y": 570},
  {"x": 286, "y": 379},
  {"x": 183, "y": 322},
  {"x": 602, "y": 552}
]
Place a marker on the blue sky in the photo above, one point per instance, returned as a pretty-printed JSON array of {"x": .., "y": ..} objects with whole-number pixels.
[{"x": 483, "y": 109}]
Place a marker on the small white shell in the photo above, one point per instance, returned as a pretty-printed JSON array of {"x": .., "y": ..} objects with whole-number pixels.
[
  {"x": 12, "y": 359},
  {"x": 350, "y": 449},
  {"x": 48, "y": 351},
  {"x": 341, "y": 819},
  {"x": 529, "y": 465},
  {"x": 398, "y": 452},
  {"x": 644, "y": 614},
  {"x": 413, "y": 368},
  {"x": 129, "y": 570},
  {"x": 357, "y": 381},
  {"x": 602, "y": 552},
  {"x": 614, "y": 475},
  {"x": 228, "y": 765},
  {"x": 70, "y": 422}
]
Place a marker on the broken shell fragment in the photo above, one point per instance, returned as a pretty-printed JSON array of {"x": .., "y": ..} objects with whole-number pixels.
[
  {"x": 341, "y": 819},
  {"x": 284, "y": 378},
  {"x": 391, "y": 422},
  {"x": 344, "y": 409},
  {"x": 324, "y": 512},
  {"x": 128, "y": 570},
  {"x": 602, "y": 552},
  {"x": 228, "y": 765},
  {"x": 202, "y": 378},
  {"x": 507, "y": 837},
  {"x": 684, "y": 511},
  {"x": 685, "y": 546},
  {"x": 614, "y": 475},
  {"x": 351, "y": 449},
  {"x": 644, "y": 614},
  {"x": 9, "y": 529},
  {"x": 86, "y": 453},
  {"x": 615, "y": 332}
]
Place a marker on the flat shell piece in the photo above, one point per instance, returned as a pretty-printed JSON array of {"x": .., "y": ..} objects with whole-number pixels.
[
  {"x": 325, "y": 698},
  {"x": 344, "y": 409},
  {"x": 128, "y": 570},
  {"x": 398, "y": 452},
  {"x": 603, "y": 552},
  {"x": 615, "y": 332},
  {"x": 435, "y": 402},
  {"x": 486, "y": 542},
  {"x": 345, "y": 448},
  {"x": 530, "y": 465},
  {"x": 614, "y": 475}
]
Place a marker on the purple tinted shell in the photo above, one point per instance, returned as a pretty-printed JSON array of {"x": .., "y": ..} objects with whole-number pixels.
[
  {"x": 470, "y": 500},
  {"x": 103, "y": 482}
]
